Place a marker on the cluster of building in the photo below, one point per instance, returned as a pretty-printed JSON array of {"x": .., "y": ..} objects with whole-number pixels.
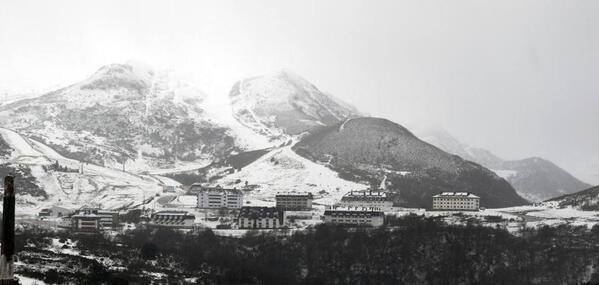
[
  {"x": 251, "y": 217},
  {"x": 89, "y": 219},
  {"x": 356, "y": 208},
  {"x": 274, "y": 217},
  {"x": 360, "y": 208}
]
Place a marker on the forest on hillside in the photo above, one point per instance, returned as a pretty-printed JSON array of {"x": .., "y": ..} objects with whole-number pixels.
[{"x": 408, "y": 250}]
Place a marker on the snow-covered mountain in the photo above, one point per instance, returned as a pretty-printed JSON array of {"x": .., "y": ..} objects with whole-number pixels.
[
  {"x": 534, "y": 178},
  {"x": 283, "y": 103},
  {"x": 108, "y": 139},
  {"x": 380, "y": 151},
  {"x": 124, "y": 114},
  {"x": 129, "y": 124}
]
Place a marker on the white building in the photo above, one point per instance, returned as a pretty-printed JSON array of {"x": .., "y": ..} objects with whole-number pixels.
[
  {"x": 366, "y": 199},
  {"x": 94, "y": 219},
  {"x": 172, "y": 219},
  {"x": 294, "y": 201},
  {"x": 217, "y": 198},
  {"x": 260, "y": 218},
  {"x": 456, "y": 201},
  {"x": 355, "y": 216}
]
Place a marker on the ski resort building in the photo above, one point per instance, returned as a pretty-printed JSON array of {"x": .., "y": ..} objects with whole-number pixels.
[
  {"x": 354, "y": 216},
  {"x": 94, "y": 219},
  {"x": 294, "y": 201},
  {"x": 217, "y": 198},
  {"x": 260, "y": 218},
  {"x": 54, "y": 212},
  {"x": 366, "y": 199},
  {"x": 172, "y": 219},
  {"x": 456, "y": 201}
]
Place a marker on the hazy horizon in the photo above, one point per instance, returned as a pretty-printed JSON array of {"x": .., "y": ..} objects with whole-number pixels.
[{"x": 518, "y": 78}]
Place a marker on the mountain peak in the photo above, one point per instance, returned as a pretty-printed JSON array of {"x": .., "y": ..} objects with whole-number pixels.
[
  {"x": 130, "y": 75},
  {"x": 284, "y": 103}
]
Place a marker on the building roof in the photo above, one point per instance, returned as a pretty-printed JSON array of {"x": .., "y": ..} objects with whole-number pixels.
[
  {"x": 294, "y": 194},
  {"x": 260, "y": 213},
  {"x": 456, "y": 194},
  {"x": 353, "y": 211},
  {"x": 365, "y": 195},
  {"x": 216, "y": 188},
  {"x": 171, "y": 215}
]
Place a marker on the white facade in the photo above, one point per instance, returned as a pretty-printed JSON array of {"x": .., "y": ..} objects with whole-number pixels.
[
  {"x": 91, "y": 219},
  {"x": 217, "y": 198},
  {"x": 366, "y": 199},
  {"x": 294, "y": 201},
  {"x": 456, "y": 201},
  {"x": 355, "y": 216}
]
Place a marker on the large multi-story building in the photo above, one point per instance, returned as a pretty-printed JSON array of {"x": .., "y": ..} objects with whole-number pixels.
[
  {"x": 366, "y": 199},
  {"x": 355, "y": 216},
  {"x": 217, "y": 198},
  {"x": 260, "y": 218},
  {"x": 294, "y": 201},
  {"x": 172, "y": 219},
  {"x": 458, "y": 201},
  {"x": 94, "y": 219}
]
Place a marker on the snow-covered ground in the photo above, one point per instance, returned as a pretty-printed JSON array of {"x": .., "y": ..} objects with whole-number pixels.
[
  {"x": 282, "y": 170},
  {"x": 29, "y": 281},
  {"x": 94, "y": 185}
]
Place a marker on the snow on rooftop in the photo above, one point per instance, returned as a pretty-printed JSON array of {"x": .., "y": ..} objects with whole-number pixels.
[{"x": 456, "y": 194}]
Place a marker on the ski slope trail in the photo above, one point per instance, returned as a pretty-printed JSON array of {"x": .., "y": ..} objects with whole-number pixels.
[{"x": 83, "y": 185}]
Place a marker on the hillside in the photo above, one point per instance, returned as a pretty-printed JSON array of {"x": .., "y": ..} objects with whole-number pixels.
[
  {"x": 24, "y": 180},
  {"x": 587, "y": 200},
  {"x": 539, "y": 179},
  {"x": 375, "y": 150},
  {"x": 44, "y": 177},
  {"x": 124, "y": 113},
  {"x": 284, "y": 103},
  {"x": 535, "y": 179}
]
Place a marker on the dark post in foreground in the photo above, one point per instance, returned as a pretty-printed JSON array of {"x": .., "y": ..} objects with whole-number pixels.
[{"x": 8, "y": 234}]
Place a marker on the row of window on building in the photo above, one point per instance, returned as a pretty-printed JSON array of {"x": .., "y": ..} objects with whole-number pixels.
[{"x": 456, "y": 201}]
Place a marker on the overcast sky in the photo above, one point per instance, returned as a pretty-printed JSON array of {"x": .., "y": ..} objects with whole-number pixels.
[{"x": 520, "y": 78}]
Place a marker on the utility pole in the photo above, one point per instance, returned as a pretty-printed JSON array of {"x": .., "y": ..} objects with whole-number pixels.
[{"x": 7, "y": 263}]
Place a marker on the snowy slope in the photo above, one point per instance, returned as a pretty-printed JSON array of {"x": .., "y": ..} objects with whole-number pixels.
[
  {"x": 129, "y": 114},
  {"x": 95, "y": 185},
  {"x": 283, "y": 103},
  {"x": 282, "y": 170}
]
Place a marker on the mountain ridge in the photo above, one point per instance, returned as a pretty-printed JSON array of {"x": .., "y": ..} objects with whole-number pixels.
[
  {"x": 376, "y": 150},
  {"x": 535, "y": 178}
]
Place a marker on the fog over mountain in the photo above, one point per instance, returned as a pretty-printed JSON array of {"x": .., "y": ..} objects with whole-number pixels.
[{"x": 514, "y": 77}]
